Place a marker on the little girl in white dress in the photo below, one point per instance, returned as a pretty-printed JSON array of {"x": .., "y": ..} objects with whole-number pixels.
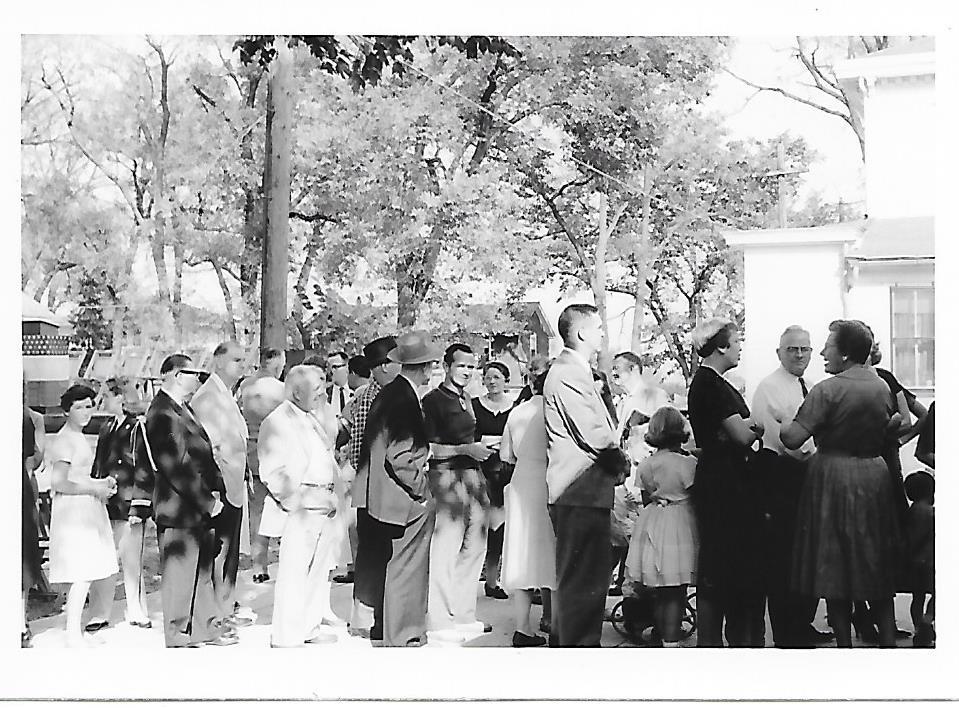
[{"x": 664, "y": 544}]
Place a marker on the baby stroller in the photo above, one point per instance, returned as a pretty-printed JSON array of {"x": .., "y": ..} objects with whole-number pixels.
[{"x": 632, "y": 617}]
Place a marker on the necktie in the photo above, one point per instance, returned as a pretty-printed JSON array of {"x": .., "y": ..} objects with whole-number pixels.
[
  {"x": 342, "y": 399},
  {"x": 802, "y": 385}
]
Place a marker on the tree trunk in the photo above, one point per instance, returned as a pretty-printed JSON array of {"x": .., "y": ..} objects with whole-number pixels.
[
  {"x": 276, "y": 243},
  {"x": 641, "y": 255},
  {"x": 45, "y": 283},
  {"x": 227, "y": 300},
  {"x": 598, "y": 281},
  {"x": 252, "y": 216},
  {"x": 414, "y": 277}
]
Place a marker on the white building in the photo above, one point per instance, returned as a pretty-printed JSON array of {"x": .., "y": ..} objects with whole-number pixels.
[{"x": 880, "y": 270}]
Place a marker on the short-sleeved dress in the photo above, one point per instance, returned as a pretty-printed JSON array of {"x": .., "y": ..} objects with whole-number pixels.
[
  {"x": 847, "y": 532},
  {"x": 665, "y": 543},
  {"x": 529, "y": 546},
  {"x": 726, "y": 502},
  {"x": 81, "y": 539}
]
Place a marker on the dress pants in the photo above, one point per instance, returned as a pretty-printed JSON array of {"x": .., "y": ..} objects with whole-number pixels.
[
  {"x": 407, "y": 585},
  {"x": 226, "y": 565},
  {"x": 583, "y": 553},
  {"x": 789, "y": 614},
  {"x": 302, "y": 594},
  {"x": 186, "y": 586},
  {"x": 373, "y": 550},
  {"x": 458, "y": 547}
]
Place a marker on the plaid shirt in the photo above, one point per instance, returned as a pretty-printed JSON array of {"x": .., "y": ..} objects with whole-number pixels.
[{"x": 359, "y": 408}]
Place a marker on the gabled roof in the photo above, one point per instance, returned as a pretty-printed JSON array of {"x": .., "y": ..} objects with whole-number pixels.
[
  {"x": 33, "y": 311},
  {"x": 916, "y": 46},
  {"x": 906, "y": 238}
]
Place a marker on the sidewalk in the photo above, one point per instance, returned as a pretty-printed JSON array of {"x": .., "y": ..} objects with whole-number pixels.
[{"x": 48, "y": 632}]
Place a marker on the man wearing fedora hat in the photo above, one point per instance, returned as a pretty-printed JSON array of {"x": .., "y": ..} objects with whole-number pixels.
[
  {"x": 368, "y": 553},
  {"x": 399, "y": 510}
]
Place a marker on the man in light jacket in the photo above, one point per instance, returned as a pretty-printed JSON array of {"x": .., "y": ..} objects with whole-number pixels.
[
  {"x": 392, "y": 473},
  {"x": 299, "y": 470},
  {"x": 218, "y": 413},
  {"x": 584, "y": 464}
]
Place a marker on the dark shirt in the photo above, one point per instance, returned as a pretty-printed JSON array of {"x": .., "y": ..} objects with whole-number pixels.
[
  {"x": 848, "y": 413},
  {"x": 712, "y": 399},
  {"x": 449, "y": 421},
  {"x": 927, "y": 433}
]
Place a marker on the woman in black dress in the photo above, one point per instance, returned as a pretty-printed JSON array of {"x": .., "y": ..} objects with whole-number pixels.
[
  {"x": 728, "y": 513},
  {"x": 491, "y": 412}
]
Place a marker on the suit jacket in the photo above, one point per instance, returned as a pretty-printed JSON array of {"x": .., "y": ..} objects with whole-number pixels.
[
  {"x": 186, "y": 473},
  {"x": 579, "y": 431},
  {"x": 296, "y": 460},
  {"x": 218, "y": 413},
  {"x": 393, "y": 473},
  {"x": 115, "y": 457}
]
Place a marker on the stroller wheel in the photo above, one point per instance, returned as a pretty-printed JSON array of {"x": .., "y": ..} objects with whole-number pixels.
[{"x": 617, "y": 618}]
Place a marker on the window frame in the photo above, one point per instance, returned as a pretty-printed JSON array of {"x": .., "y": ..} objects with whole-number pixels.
[{"x": 908, "y": 382}]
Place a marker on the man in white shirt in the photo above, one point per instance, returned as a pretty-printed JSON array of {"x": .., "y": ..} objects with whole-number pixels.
[
  {"x": 338, "y": 392},
  {"x": 298, "y": 467},
  {"x": 218, "y": 413},
  {"x": 777, "y": 398}
]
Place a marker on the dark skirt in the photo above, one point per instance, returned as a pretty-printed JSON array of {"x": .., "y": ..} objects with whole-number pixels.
[{"x": 847, "y": 533}]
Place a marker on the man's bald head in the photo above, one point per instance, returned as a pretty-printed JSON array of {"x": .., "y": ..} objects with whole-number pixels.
[{"x": 305, "y": 386}]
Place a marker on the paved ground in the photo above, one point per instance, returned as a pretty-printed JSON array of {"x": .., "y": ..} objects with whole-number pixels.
[{"x": 48, "y": 631}]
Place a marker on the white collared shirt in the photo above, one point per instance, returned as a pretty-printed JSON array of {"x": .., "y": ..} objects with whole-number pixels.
[{"x": 778, "y": 396}]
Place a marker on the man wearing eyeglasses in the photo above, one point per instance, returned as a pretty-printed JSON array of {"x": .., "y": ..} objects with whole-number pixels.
[
  {"x": 777, "y": 398},
  {"x": 186, "y": 494}
]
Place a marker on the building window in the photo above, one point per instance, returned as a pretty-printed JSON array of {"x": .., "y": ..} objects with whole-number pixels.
[{"x": 914, "y": 336}]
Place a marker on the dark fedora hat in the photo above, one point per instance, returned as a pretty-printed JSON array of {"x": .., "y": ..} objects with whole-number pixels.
[
  {"x": 376, "y": 351},
  {"x": 415, "y": 348}
]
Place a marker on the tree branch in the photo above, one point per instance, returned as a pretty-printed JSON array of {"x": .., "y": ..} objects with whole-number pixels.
[
  {"x": 311, "y": 218},
  {"x": 794, "y": 97}
]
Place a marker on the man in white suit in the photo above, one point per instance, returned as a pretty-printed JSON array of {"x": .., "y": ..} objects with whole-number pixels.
[
  {"x": 218, "y": 413},
  {"x": 298, "y": 468},
  {"x": 584, "y": 464}
]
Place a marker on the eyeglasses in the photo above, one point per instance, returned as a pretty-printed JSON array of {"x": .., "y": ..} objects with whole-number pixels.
[
  {"x": 798, "y": 350},
  {"x": 201, "y": 375},
  {"x": 337, "y": 366}
]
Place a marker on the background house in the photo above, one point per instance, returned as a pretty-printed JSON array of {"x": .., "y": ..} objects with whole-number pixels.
[{"x": 881, "y": 269}]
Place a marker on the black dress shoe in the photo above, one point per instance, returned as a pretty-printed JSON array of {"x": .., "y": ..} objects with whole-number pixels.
[
  {"x": 347, "y": 577},
  {"x": 523, "y": 641},
  {"x": 496, "y": 593},
  {"x": 96, "y": 626}
]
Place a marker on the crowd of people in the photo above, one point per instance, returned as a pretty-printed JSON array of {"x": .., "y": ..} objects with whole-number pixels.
[{"x": 581, "y": 487}]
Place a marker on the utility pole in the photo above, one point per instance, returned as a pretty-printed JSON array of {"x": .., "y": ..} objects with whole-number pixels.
[
  {"x": 276, "y": 239},
  {"x": 780, "y": 174}
]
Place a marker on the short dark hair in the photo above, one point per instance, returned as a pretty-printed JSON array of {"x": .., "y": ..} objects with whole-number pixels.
[
  {"x": 450, "y": 354},
  {"x": 175, "y": 362},
  {"x": 359, "y": 365},
  {"x": 270, "y": 353},
  {"x": 633, "y": 359},
  {"x": 315, "y": 360},
  {"x": 77, "y": 392},
  {"x": 667, "y": 428},
  {"x": 503, "y": 369},
  {"x": 853, "y": 339},
  {"x": 117, "y": 385},
  {"x": 342, "y": 355},
  {"x": 223, "y": 347},
  {"x": 572, "y": 315},
  {"x": 920, "y": 486},
  {"x": 539, "y": 381},
  {"x": 720, "y": 340}
]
